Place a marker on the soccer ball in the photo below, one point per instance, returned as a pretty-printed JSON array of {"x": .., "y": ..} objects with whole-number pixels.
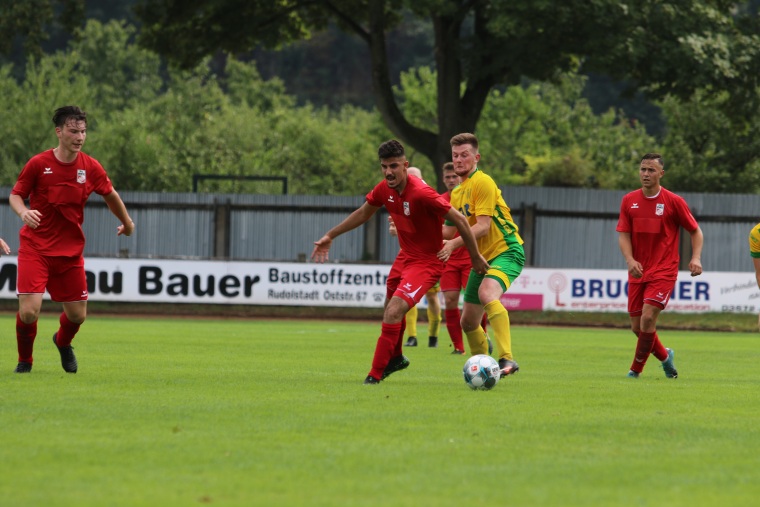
[{"x": 481, "y": 372}]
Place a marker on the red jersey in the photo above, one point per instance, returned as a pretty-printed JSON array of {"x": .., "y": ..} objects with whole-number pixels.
[
  {"x": 654, "y": 224},
  {"x": 417, "y": 213},
  {"x": 59, "y": 191}
]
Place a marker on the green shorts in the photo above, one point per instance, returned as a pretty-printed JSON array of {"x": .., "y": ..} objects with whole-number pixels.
[{"x": 505, "y": 268}]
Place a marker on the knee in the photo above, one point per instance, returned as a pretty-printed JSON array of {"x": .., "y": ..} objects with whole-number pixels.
[
  {"x": 76, "y": 316},
  {"x": 647, "y": 322},
  {"x": 28, "y": 315},
  {"x": 78, "y": 319},
  {"x": 468, "y": 324},
  {"x": 394, "y": 313}
]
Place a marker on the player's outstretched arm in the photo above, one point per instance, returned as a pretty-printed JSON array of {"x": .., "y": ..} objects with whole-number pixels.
[
  {"x": 352, "y": 221},
  {"x": 4, "y": 246}
]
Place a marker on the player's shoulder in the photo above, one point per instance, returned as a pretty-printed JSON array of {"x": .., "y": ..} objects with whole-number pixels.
[
  {"x": 481, "y": 178},
  {"x": 633, "y": 194},
  {"x": 668, "y": 194},
  {"x": 41, "y": 158},
  {"x": 418, "y": 188},
  {"x": 89, "y": 160}
]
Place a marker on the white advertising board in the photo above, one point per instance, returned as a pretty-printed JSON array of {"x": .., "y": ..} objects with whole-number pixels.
[{"x": 363, "y": 285}]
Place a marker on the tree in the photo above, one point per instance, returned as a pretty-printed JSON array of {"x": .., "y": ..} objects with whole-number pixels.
[
  {"x": 673, "y": 47},
  {"x": 31, "y": 22}
]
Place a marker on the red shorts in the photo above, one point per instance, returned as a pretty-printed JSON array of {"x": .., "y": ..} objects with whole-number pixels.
[
  {"x": 656, "y": 293},
  {"x": 63, "y": 277},
  {"x": 455, "y": 274},
  {"x": 410, "y": 279}
]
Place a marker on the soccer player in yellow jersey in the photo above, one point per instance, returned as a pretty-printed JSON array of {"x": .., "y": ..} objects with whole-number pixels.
[
  {"x": 754, "y": 250},
  {"x": 480, "y": 201}
]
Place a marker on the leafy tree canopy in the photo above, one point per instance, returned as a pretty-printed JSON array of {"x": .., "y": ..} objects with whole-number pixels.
[{"x": 666, "y": 48}]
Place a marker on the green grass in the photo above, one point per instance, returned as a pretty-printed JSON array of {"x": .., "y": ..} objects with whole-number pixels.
[{"x": 255, "y": 412}]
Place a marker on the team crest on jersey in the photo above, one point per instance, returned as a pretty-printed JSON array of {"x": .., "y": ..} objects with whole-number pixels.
[
  {"x": 406, "y": 209},
  {"x": 659, "y": 210},
  {"x": 81, "y": 176}
]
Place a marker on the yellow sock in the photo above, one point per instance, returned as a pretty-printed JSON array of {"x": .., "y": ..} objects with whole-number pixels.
[
  {"x": 434, "y": 321},
  {"x": 477, "y": 340},
  {"x": 498, "y": 317},
  {"x": 411, "y": 322}
]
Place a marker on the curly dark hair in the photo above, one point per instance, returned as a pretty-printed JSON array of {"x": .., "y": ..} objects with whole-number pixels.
[{"x": 390, "y": 149}]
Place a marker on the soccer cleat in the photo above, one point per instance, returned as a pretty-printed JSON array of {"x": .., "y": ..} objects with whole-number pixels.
[
  {"x": 23, "y": 367},
  {"x": 633, "y": 374},
  {"x": 507, "y": 367},
  {"x": 371, "y": 380},
  {"x": 457, "y": 352},
  {"x": 668, "y": 367},
  {"x": 68, "y": 359},
  {"x": 412, "y": 341},
  {"x": 397, "y": 363},
  {"x": 432, "y": 341}
]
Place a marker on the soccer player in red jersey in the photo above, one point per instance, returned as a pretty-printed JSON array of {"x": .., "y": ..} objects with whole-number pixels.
[
  {"x": 455, "y": 274},
  {"x": 648, "y": 227},
  {"x": 434, "y": 307},
  {"x": 57, "y": 183},
  {"x": 418, "y": 213}
]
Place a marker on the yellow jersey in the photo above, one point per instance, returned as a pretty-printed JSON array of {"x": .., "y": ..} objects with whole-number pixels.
[
  {"x": 477, "y": 196},
  {"x": 754, "y": 241}
]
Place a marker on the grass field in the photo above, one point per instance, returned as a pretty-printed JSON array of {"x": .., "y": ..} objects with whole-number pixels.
[{"x": 184, "y": 412}]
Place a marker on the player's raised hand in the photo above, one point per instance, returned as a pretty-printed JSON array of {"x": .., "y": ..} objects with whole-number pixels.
[{"x": 321, "y": 249}]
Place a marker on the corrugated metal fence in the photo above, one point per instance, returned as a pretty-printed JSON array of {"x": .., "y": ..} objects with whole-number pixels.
[{"x": 568, "y": 228}]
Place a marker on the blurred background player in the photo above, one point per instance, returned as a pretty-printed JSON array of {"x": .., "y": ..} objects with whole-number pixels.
[
  {"x": 433, "y": 305},
  {"x": 418, "y": 213},
  {"x": 649, "y": 225}
]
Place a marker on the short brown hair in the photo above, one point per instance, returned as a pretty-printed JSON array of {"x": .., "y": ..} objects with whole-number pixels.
[
  {"x": 654, "y": 156},
  {"x": 448, "y": 166},
  {"x": 465, "y": 138}
]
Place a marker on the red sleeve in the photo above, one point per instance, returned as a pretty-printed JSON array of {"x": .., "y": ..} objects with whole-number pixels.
[
  {"x": 26, "y": 180},
  {"x": 101, "y": 183},
  {"x": 439, "y": 205},
  {"x": 685, "y": 218},
  {"x": 376, "y": 196},
  {"x": 624, "y": 221}
]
